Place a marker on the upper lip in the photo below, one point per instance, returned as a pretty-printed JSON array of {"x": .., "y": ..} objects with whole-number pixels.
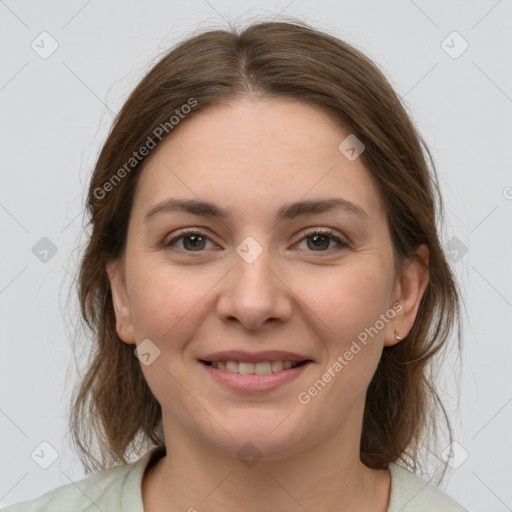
[{"x": 254, "y": 357}]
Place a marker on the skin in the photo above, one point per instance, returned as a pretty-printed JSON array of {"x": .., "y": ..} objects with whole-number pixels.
[{"x": 254, "y": 155}]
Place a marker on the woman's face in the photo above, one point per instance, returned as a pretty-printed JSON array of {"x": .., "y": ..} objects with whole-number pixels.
[{"x": 256, "y": 281}]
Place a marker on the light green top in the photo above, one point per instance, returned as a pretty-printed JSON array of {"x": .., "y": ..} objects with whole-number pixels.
[{"x": 118, "y": 489}]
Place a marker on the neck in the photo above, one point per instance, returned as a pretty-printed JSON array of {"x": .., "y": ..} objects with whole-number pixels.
[{"x": 326, "y": 476}]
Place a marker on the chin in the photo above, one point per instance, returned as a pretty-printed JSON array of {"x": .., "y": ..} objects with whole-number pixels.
[{"x": 272, "y": 439}]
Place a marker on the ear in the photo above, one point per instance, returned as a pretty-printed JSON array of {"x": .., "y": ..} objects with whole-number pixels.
[
  {"x": 409, "y": 291},
  {"x": 124, "y": 324}
]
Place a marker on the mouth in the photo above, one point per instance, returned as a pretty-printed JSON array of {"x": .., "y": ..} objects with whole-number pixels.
[
  {"x": 259, "y": 368},
  {"x": 253, "y": 378}
]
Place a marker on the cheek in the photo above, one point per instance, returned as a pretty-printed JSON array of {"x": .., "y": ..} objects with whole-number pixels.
[
  {"x": 345, "y": 313},
  {"x": 351, "y": 300},
  {"x": 163, "y": 300}
]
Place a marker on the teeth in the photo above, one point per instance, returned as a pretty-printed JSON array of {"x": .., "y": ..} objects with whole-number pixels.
[
  {"x": 254, "y": 368},
  {"x": 276, "y": 366},
  {"x": 244, "y": 368},
  {"x": 231, "y": 366}
]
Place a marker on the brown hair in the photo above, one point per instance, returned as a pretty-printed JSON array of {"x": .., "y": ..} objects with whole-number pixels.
[{"x": 280, "y": 60}]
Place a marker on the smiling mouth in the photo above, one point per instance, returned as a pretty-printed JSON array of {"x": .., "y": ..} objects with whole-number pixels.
[{"x": 261, "y": 368}]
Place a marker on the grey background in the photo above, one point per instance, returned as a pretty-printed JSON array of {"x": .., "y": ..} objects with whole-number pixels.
[{"x": 56, "y": 112}]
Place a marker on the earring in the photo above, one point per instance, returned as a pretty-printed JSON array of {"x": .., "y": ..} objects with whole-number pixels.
[{"x": 397, "y": 337}]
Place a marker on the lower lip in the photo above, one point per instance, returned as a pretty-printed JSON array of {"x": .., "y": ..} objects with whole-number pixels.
[{"x": 254, "y": 382}]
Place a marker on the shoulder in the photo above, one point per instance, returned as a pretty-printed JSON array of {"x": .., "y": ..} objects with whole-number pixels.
[
  {"x": 410, "y": 493},
  {"x": 114, "y": 489}
]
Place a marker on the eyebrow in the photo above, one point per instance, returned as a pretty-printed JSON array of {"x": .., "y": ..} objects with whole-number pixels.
[{"x": 286, "y": 212}]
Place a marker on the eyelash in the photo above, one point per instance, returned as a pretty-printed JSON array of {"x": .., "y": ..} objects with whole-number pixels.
[{"x": 329, "y": 233}]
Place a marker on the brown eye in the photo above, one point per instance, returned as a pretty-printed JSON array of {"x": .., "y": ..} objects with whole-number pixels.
[
  {"x": 193, "y": 241},
  {"x": 319, "y": 241}
]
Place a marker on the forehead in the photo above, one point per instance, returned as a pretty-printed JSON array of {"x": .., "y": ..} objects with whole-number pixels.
[{"x": 254, "y": 155}]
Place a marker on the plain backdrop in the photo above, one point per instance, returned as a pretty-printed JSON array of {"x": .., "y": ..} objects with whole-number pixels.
[{"x": 448, "y": 60}]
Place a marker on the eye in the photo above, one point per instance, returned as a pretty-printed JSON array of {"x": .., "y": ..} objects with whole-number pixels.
[
  {"x": 320, "y": 239},
  {"x": 193, "y": 241}
]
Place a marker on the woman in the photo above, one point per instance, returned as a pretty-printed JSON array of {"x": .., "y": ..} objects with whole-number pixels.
[{"x": 264, "y": 242}]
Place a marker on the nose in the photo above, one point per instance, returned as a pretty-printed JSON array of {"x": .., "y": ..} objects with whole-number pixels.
[{"x": 254, "y": 293}]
